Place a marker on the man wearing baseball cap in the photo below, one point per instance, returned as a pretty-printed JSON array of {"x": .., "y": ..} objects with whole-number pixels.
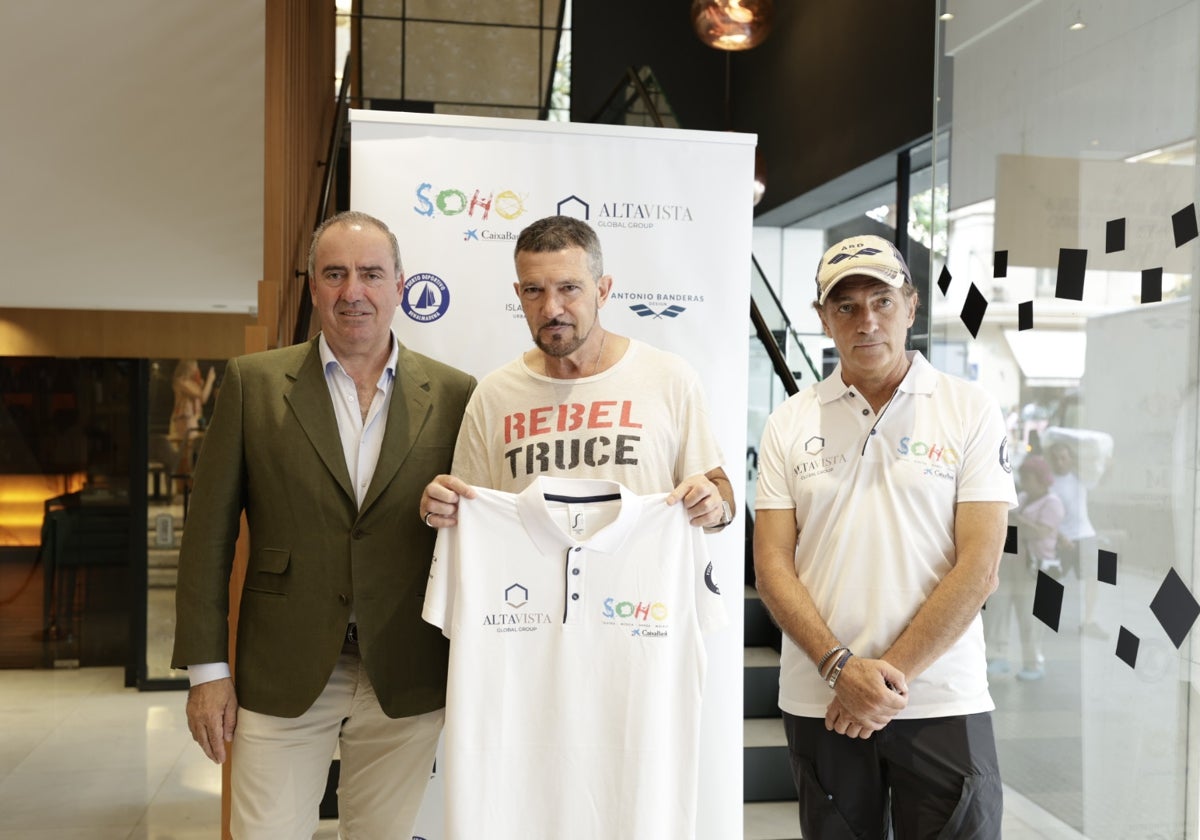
[{"x": 882, "y": 502}]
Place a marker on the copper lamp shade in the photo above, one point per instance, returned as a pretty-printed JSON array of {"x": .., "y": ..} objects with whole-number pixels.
[{"x": 732, "y": 24}]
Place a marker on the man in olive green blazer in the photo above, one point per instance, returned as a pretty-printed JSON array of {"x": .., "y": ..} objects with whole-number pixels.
[{"x": 331, "y": 648}]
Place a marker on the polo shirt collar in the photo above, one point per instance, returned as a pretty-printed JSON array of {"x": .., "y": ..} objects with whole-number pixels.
[
  {"x": 921, "y": 378},
  {"x": 550, "y": 538}
]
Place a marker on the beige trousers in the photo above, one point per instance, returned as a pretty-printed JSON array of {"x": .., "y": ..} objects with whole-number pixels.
[{"x": 280, "y": 765}]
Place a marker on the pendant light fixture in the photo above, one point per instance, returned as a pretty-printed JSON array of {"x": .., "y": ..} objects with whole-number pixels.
[{"x": 732, "y": 24}]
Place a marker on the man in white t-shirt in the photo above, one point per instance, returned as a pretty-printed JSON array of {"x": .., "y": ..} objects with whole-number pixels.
[
  {"x": 583, "y": 402},
  {"x": 882, "y": 504}
]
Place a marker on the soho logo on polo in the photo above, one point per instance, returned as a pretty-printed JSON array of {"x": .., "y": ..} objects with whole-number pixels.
[
  {"x": 637, "y": 610},
  {"x": 479, "y": 204},
  {"x": 425, "y": 297},
  {"x": 912, "y": 449}
]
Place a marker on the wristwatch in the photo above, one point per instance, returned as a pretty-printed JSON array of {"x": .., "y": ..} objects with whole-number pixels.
[{"x": 726, "y": 515}]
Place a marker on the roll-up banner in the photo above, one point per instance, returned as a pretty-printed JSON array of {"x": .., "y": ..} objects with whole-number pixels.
[{"x": 673, "y": 210}]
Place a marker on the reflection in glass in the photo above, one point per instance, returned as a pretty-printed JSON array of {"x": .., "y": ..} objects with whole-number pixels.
[
  {"x": 67, "y": 539},
  {"x": 182, "y": 393},
  {"x": 1102, "y": 385}
]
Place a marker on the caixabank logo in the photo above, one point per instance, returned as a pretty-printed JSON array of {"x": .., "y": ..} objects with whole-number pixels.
[
  {"x": 426, "y": 297},
  {"x": 486, "y": 235}
]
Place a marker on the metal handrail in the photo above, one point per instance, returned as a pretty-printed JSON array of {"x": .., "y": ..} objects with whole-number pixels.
[
  {"x": 787, "y": 322},
  {"x": 778, "y": 362},
  {"x": 340, "y": 118},
  {"x": 544, "y": 111}
]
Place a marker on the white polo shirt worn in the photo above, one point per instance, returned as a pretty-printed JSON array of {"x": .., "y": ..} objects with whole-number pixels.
[
  {"x": 575, "y": 612},
  {"x": 874, "y": 498}
]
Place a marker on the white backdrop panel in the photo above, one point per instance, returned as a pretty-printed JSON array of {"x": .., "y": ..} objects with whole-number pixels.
[{"x": 673, "y": 210}]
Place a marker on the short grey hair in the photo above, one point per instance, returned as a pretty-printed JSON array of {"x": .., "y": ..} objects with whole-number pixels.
[
  {"x": 352, "y": 217},
  {"x": 557, "y": 233}
]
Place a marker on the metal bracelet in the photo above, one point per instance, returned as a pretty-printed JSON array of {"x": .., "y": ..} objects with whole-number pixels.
[
  {"x": 837, "y": 669},
  {"x": 825, "y": 658}
]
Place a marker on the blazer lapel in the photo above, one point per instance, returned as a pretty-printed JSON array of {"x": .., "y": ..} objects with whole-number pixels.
[
  {"x": 407, "y": 412},
  {"x": 310, "y": 401}
]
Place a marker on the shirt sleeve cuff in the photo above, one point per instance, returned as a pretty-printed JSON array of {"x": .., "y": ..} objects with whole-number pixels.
[{"x": 207, "y": 672}]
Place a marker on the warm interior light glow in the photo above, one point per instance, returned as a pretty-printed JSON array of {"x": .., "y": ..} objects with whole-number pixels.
[
  {"x": 1078, "y": 24},
  {"x": 738, "y": 12},
  {"x": 946, "y": 16},
  {"x": 23, "y": 504},
  {"x": 732, "y": 24}
]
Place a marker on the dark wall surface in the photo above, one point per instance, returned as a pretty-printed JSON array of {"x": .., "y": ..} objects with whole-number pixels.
[
  {"x": 836, "y": 84},
  {"x": 608, "y": 36}
]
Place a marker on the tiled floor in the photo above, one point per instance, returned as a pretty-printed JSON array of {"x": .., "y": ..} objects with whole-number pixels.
[{"x": 83, "y": 758}]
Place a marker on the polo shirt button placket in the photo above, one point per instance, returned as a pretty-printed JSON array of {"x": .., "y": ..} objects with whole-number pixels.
[{"x": 574, "y": 584}]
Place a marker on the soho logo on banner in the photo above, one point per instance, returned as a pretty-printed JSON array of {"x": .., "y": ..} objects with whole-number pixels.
[
  {"x": 453, "y": 201},
  {"x": 481, "y": 206}
]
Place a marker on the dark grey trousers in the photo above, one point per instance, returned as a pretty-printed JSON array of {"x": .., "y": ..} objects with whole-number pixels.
[{"x": 925, "y": 779}]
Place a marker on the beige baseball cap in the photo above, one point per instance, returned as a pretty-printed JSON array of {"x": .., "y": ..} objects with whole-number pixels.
[{"x": 868, "y": 255}]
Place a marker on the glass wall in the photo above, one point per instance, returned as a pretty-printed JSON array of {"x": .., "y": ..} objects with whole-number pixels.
[
  {"x": 96, "y": 459},
  {"x": 68, "y": 511},
  {"x": 181, "y": 396},
  {"x": 1052, "y": 230},
  {"x": 1064, "y": 266}
]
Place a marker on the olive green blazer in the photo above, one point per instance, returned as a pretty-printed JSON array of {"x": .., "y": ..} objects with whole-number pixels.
[{"x": 273, "y": 451}]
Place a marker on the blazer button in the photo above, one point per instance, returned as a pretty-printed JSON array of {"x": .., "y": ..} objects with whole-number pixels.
[{"x": 358, "y": 533}]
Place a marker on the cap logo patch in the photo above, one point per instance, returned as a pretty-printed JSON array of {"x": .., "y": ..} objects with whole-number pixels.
[{"x": 861, "y": 252}]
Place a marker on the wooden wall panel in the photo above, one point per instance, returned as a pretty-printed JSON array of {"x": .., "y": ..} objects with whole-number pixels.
[
  {"x": 300, "y": 104},
  {"x": 108, "y": 334}
]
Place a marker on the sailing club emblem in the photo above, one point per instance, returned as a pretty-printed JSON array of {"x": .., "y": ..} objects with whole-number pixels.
[{"x": 426, "y": 297}]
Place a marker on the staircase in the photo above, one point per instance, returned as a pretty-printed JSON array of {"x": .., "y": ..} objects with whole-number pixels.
[{"x": 771, "y": 810}]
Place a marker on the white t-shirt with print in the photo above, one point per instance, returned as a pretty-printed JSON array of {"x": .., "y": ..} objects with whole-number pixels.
[
  {"x": 875, "y": 500},
  {"x": 643, "y": 422}
]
